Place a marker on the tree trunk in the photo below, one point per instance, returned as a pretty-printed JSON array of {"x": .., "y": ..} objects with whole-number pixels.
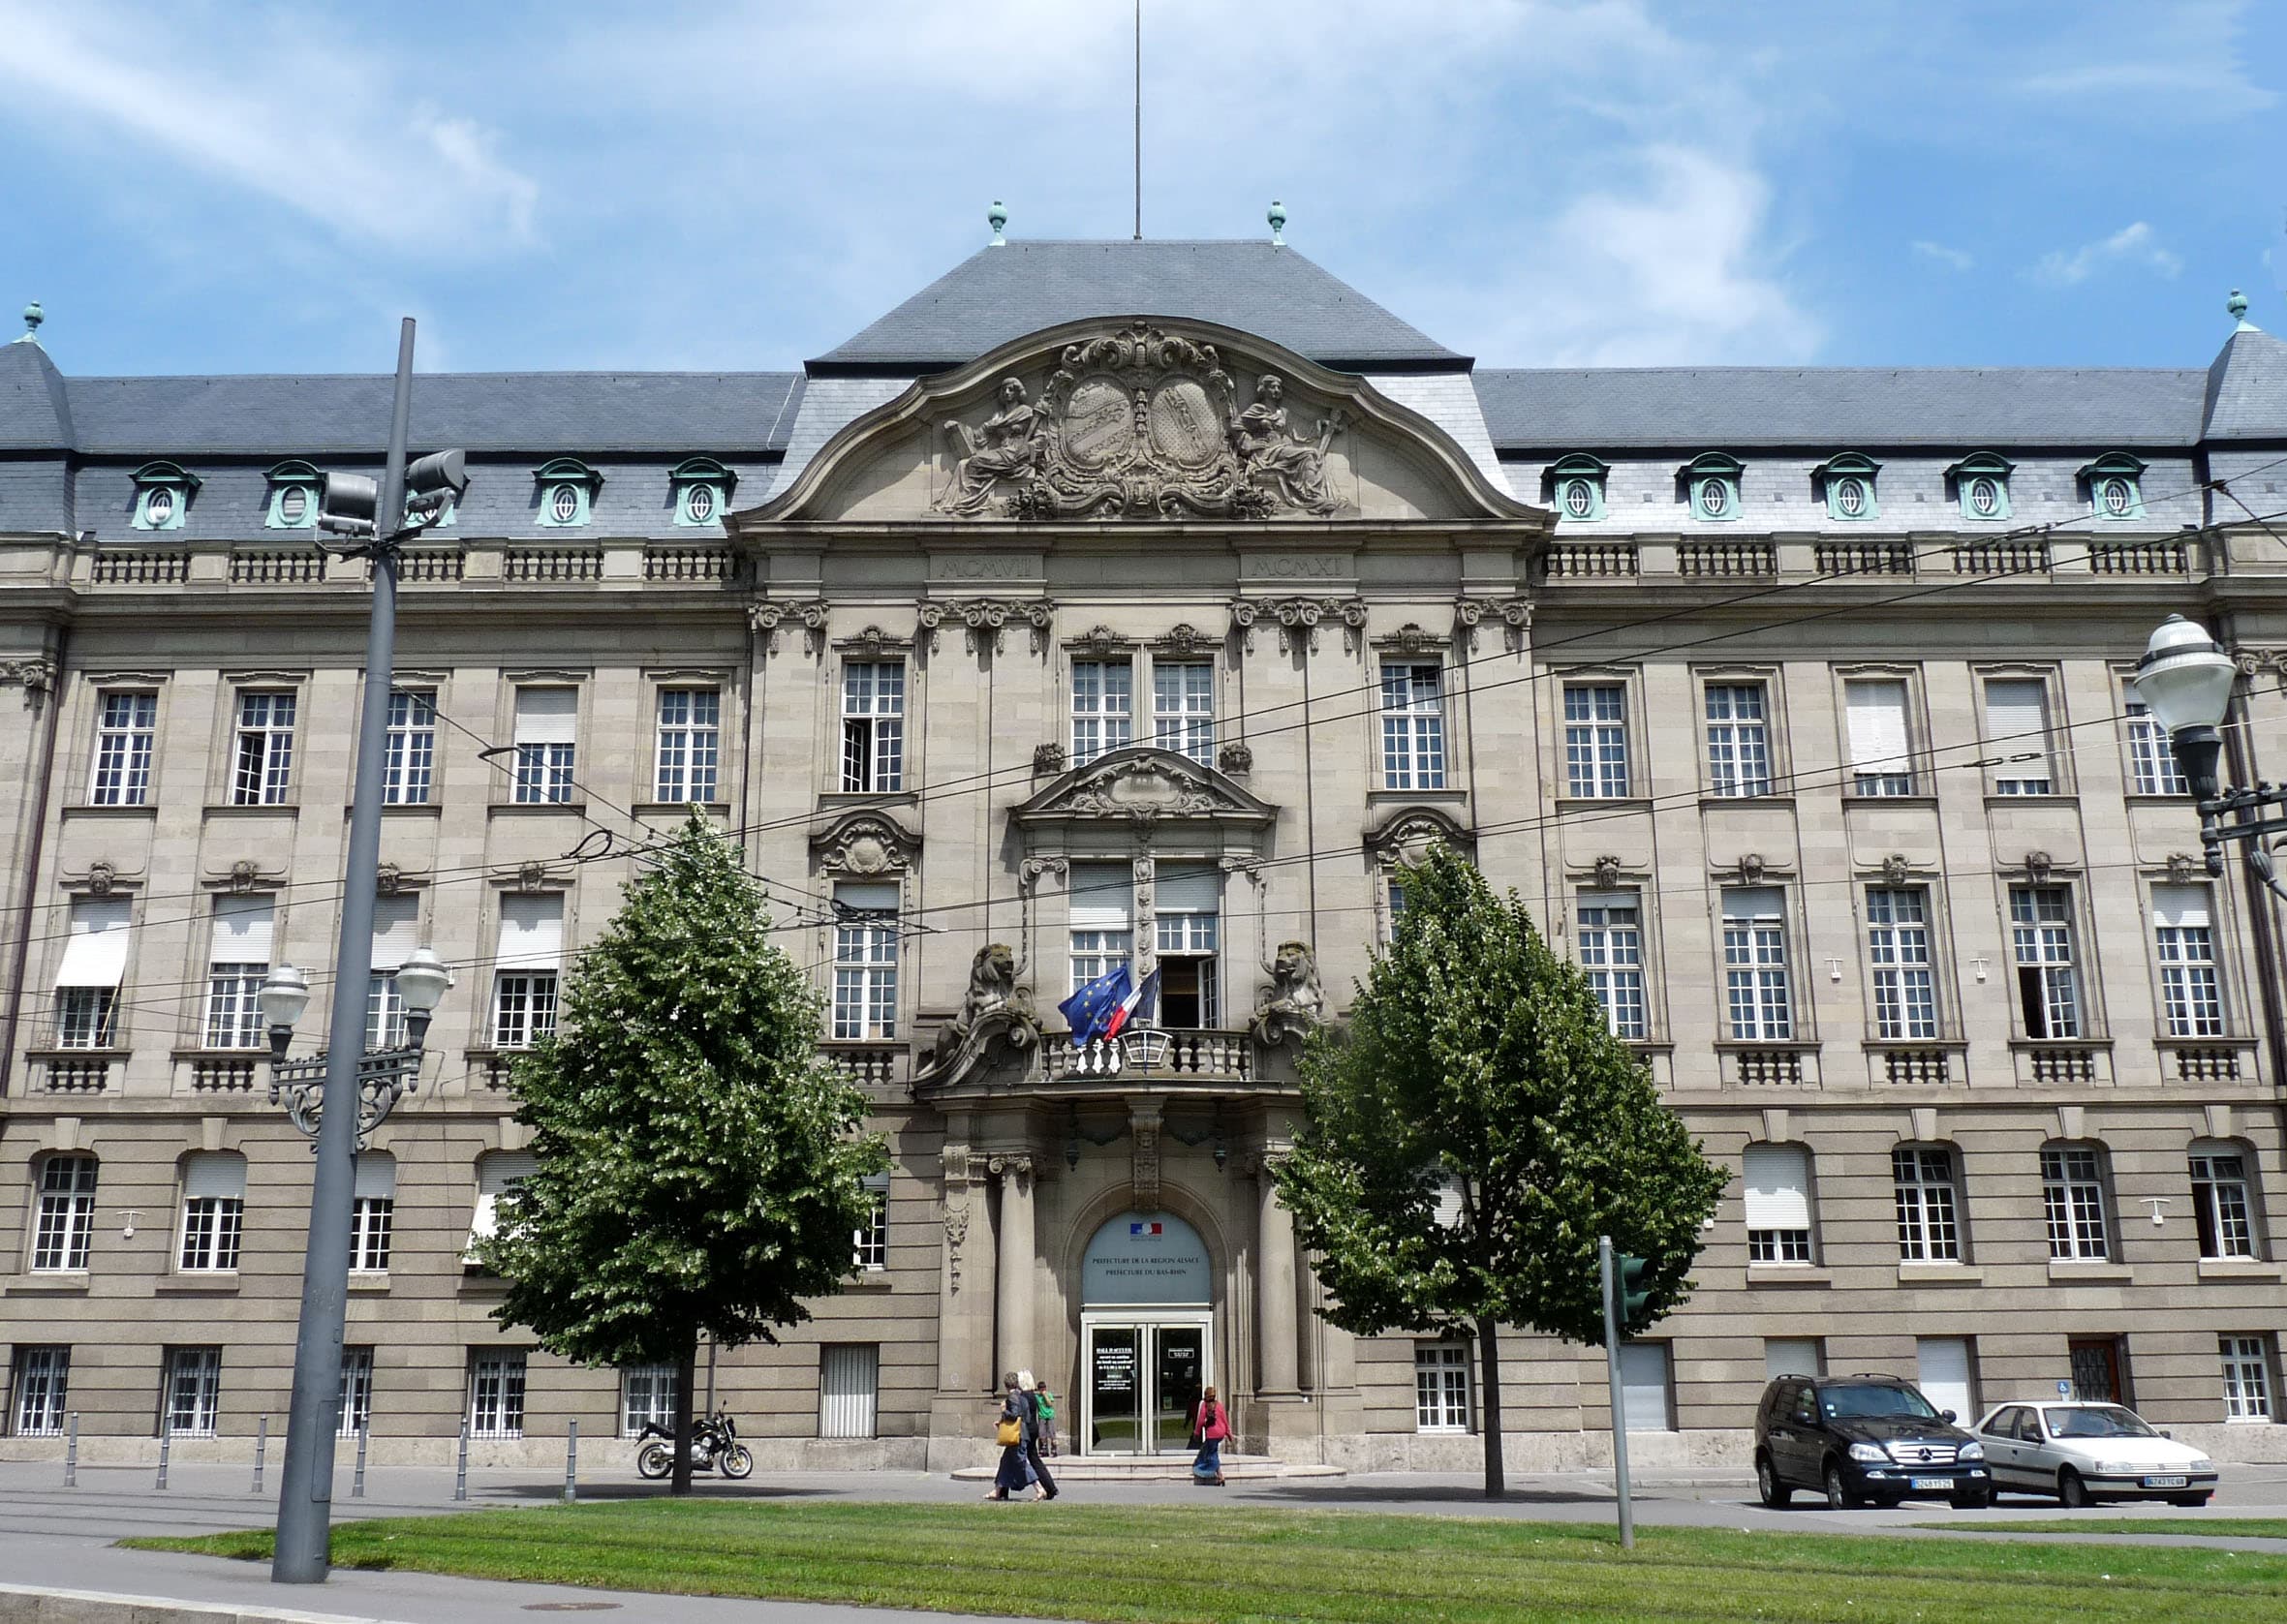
[
  {"x": 685, "y": 1370},
  {"x": 1489, "y": 1406}
]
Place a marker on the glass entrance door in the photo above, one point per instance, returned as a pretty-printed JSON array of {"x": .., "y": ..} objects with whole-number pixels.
[{"x": 1143, "y": 1380}]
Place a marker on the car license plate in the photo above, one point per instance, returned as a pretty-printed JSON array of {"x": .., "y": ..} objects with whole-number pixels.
[
  {"x": 1932, "y": 1482},
  {"x": 2164, "y": 1483}
]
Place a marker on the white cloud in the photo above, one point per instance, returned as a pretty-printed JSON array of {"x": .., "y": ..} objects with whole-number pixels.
[
  {"x": 2177, "y": 61},
  {"x": 2134, "y": 245},
  {"x": 1955, "y": 258}
]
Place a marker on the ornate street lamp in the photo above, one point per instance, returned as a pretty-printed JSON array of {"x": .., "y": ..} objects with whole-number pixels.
[
  {"x": 384, "y": 1074},
  {"x": 2185, "y": 681}
]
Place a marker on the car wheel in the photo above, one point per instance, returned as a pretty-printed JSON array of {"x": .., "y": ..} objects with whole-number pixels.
[
  {"x": 1775, "y": 1493},
  {"x": 1840, "y": 1495},
  {"x": 2187, "y": 1499},
  {"x": 2070, "y": 1490},
  {"x": 1972, "y": 1499}
]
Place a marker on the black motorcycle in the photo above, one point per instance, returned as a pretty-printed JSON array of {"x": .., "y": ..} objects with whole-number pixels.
[{"x": 714, "y": 1448}]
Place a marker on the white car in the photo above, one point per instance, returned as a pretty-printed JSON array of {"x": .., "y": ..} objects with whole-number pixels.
[{"x": 2085, "y": 1453}]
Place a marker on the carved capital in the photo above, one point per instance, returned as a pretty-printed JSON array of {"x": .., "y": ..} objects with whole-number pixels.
[
  {"x": 1299, "y": 618},
  {"x": 766, "y": 615},
  {"x": 1514, "y": 615},
  {"x": 35, "y": 674},
  {"x": 986, "y": 618}
]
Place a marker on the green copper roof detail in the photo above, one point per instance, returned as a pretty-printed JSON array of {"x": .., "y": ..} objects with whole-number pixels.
[
  {"x": 997, "y": 217},
  {"x": 2236, "y": 306},
  {"x": 1278, "y": 219},
  {"x": 33, "y": 316}
]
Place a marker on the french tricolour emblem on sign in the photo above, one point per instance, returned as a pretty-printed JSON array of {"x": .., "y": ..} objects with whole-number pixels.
[{"x": 1144, "y": 1229}]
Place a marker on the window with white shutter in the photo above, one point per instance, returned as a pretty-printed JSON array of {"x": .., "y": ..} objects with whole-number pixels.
[
  {"x": 496, "y": 1173},
  {"x": 849, "y": 1388},
  {"x": 373, "y": 1211},
  {"x": 87, "y": 981},
  {"x": 2191, "y": 998},
  {"x": 238, "y": 961},
  {"x": 214, "y": 1210},
  {"x": 530, "y": 959},
  {"x": 865, "y": 959},
  {"x": 548, "y": 721},
  {"x": 1102, "y": 901},
  {"x": 1777, "y": 1185},
  {"x": 1875, "y": 713},
  {"x": 2017, "y": 735},
  {"x": 1757, "y": 989}
]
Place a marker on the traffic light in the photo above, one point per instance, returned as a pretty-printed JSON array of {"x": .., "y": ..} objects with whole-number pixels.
[
  {"x": 347, "y": 503},
  {"x": 1635, "y": 1297}
]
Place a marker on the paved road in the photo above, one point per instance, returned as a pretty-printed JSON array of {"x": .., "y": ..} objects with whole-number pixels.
[{"x": 54, "y": 1536}]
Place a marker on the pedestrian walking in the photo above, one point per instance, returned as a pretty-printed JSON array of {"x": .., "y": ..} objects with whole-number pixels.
[
  {"x": 1033, "y": 1409},
  {"x": 1211, "y": 1426},
  {"x": 1048, "y": 1444},
  {"x": 1011, "y": 1432}
]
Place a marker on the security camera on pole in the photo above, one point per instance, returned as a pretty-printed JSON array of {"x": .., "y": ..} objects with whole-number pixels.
[{"x": 358, "y": 1089}]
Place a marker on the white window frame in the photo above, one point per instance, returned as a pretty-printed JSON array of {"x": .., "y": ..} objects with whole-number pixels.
[
  {"x": 63, "y": 1220},
  {"x": 1182, "y": 707},
  {"x": 2043, "y": 949},
  {"x": 2076, "y": 1202},
  {"x": 1442, "y": 1388},
  {"x": 647, "y": 1397},
  {"x": 1737, "y": 715},
  {"x": 262, "y": 746},
  {"x": 1412, "y": 723},
  {"x": 356, "y": 1392},
  {"x": 1898, "y": 927},
  {"x": 42, "y": 1395},
  {"x": 1611, "y": 952},
  {"x": 2247, "y": 1377},
  {"x": 126, "y": 737},
  {"x": 543, "y": 766},
  {"x": 687, "y": 764},
  {"x": 865, "y": 998},
  {"x": 869, "y": 1246},
  {"x": 1779, "y": 1205},
  {"x": 190, "y": 1398},
  {"x": 1873, "y": 773},
  {"x": 2151, "y": 764},
  {"x": 232, "y": 1016},
  {"x": 2008, "y": 734},
  {"x": 1758, "y": 988},
  {"x": 2223, "y": 1203},
  {"x": 1925, "y": 1187},
  {"x": 873, "y": 726},
  {"x": 372, "y": 1213},
  {"x": 523, "y": 1007},
  {"x": 409, "y": 750},
  {"x": 213, "y": 1228},
  {"x": 1103, "y": 707},
  {"x": 2191, "y": 980},
  {"x": 1595, "y": 722},
  {"x": 496, "y": 1393}
]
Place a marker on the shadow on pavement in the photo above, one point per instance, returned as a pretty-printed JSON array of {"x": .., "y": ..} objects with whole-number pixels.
[
  {"x": 554, "y": 1490},
  {"x": 1334, "y": 1494}
]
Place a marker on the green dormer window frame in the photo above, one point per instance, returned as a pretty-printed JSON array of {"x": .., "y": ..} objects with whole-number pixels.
[
  {"x": 294, "y": 497},
  {"x": 566, "y": 490},
  {"x": 1712, "y": 481},
  {"x": 1848, "y": 482},
  {"x": 1981, "y": 486},
  {"x": 163, "y": 492},
  {"x": 2115, "y": 487},
  {"x": 702, "y": 488},
  {"x": 1576, "y": 486}
]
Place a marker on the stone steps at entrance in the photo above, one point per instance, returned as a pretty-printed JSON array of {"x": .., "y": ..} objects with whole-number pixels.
[{"x": 1156, "y": 1468}]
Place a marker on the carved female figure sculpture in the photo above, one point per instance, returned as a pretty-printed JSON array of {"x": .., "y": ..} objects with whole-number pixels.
[
  {"x": 1007, "y": 447},
  {"x": 1269, "y": 449}
]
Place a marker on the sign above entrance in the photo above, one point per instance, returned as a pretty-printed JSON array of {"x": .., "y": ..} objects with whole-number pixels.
[{"x": 1144, "y": 1257}]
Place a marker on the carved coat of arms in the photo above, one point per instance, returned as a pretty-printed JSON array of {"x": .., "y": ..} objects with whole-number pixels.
[{"x": 1139, "y": 424}]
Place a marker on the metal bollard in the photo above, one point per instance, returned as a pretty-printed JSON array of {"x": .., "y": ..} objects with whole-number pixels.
[
  {"x": 357, "y": 1478},
  {"x": 262, "y": 1444},
  {"x": 570, "y": 1462},
  {"x": 460, "y": 1481},
  {"x": 166, "y": 1437},
  {"x": 71, "y": 1451}
]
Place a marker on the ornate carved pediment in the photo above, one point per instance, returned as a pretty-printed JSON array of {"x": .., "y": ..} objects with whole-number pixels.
[
  {"x": 1143, "y": 785},
  {"x": 865, "y": 842},
  {"x": 1407, "y": 831}
]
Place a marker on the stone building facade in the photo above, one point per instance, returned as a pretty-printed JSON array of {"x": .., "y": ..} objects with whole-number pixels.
[{"x": 1153, "y": 601}]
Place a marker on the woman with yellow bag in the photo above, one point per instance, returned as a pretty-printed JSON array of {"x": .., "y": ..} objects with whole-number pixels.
[{"x": 1013, "y": 1433}]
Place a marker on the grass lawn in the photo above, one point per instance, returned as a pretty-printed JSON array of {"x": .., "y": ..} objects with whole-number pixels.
[
  {"x": 2220, "y": 1527},
  {"x": 1212, "y": 1565}
]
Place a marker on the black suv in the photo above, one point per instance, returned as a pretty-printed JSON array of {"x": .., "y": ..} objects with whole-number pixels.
[{"x": 1860, "y": 1438}]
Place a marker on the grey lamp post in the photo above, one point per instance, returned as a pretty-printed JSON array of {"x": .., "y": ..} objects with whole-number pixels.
[
  {"x": 339, "y": 1096},
  {"x": 2186, "y": 679}
]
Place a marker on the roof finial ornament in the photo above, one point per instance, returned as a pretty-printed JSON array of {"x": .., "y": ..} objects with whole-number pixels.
[
  {"x": 997, "y": 217},
  {"x": 1278, "y": 219},
  {"x": 33, "y": 316},
  {"x": 2237, "y": 305}
]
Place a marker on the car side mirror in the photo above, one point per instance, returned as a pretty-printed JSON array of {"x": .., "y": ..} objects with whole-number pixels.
[
  {"x": 1945, "y": 1415},
  {"x": 2165, "y": 1432}
]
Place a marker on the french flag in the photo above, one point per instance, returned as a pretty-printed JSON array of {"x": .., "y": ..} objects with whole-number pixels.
[
  {"x": 1109, "y": 1005},
  {"x": 1146, "y": 1229}
]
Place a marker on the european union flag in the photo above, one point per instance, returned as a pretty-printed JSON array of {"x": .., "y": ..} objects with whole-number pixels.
[{"x": 1088, "y": 1011}]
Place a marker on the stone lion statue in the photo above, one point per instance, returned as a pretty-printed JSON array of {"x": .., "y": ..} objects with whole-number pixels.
[
  {"x": 1293, "y": 1002},
  {"x": 994, "y": 1003}
]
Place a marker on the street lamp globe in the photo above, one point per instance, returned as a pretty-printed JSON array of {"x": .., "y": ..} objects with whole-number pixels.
[
  {"x": 284, "y": 994},
  {"x": 421, "y": 981},
  {"x": 2185, "y": 679}
]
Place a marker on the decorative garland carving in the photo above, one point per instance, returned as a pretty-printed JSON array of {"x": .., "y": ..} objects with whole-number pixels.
[
  {"x": 1299, "y": 617},
  {"x": 2183, "y": 868},
  {"x": 865, "y": 842},
  {"x": 1144, "y": 1163}
]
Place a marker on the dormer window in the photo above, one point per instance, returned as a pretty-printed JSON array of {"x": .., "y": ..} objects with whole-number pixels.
[
  {"x": 2115, "y": 486},
  {"x": 163, "y": 492},
  {"x": 1849, "y": 481},
  {"x": 294, "y": 497},
  {"x": 1981, "y": 485},
  {"x": 567, "y": 492},
  {"x": 1576, "y": 487},
  {"x": 1712, "y": 481},
  {"x": 701, "y": 491}
]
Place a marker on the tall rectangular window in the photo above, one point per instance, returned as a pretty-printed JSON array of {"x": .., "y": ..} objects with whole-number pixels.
[
  {"x": 193, "y": 1397},
  {"x": 2073, "y": 1198},
  {"x": 262, "y": 754},
  {"x": 869, "y": 1246},
  {"x": 2246, "y": 1378},
  {"x": 87, "y": 981},
  {"x": 1596, "y": 740},
  {"x": 865, "y": 959},
  {"x": 1412, "y": 724},
  {"x": 65, "y": 1222},
  {"x": 873, "y": 726},
  {"x": 1755, "y": 984},
  {"x": 1929, "y": 1222},
  {"x": 547, "y": 719},
  {"x": 849, "y": 1388},
  {"x": 43, "y": 1390},
  {"x": 1182, "y": 707},
  {"x": 1898, "y": 943},
  {"x": 214, "y": 1211},
  {"x": 2017, "y": 734},
  {"x": 373, "y": 1211},
  {"x": 1103, "y": 708},
  {"x": 1440, "y": 1386},
  {"x": 409, "y": 749},
  {"x": 497, "y": 1174},
  {"x": 2220, "y": 1210},
  {"x": 690, "y": 745},
  {"x": 1739, "y": 739},
  {"x": 396, "y": 932},
  {"x": 2151, "y": 764},
  {"x": 1778, "y": 1185},
  {"x": 496, "y": 1396},
  {"x": 2191, "y": 999},
  {"x": 646, "y": 1399},
  {"x": 1611, "y": 944},
  {"x": 125, "y": 728},
  {"x": 530, "y": 959},
  {"x": 1188, "y": 927},
  {"x": 356, "y": 1392},
  {"x": 1876, "y": 711},
  {"x": 1102, "y": 899},
  {"x": 238, "y": 961},
  {"x": 2041, "y": 937}
]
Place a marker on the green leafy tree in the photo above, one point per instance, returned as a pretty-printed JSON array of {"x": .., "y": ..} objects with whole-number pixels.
[
  {"x": 1478, "y": 1065},
  {"x": 699, "y": 1164}
]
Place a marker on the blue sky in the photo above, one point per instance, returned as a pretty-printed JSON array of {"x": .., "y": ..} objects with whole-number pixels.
[{"x": 252, "y": 186}]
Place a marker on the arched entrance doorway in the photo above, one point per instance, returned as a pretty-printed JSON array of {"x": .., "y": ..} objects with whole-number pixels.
[{"x": 1147, "y": 1343}]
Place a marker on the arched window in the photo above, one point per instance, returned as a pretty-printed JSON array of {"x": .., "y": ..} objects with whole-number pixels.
[{"x": 2226, "y": 1202}]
